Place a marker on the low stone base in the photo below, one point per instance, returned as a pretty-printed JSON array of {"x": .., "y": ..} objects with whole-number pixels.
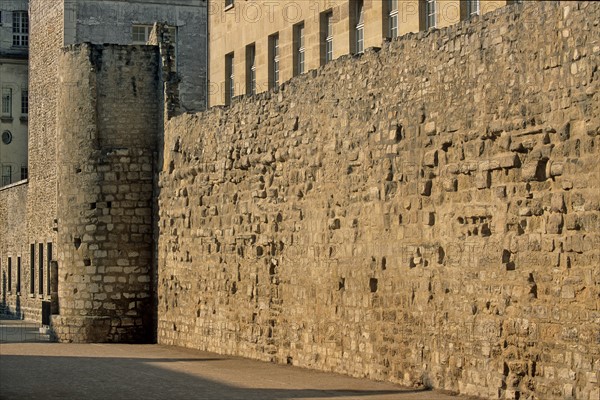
[
  {"x": 98, "y": 329},
  {"x": 80, "y": 329}
]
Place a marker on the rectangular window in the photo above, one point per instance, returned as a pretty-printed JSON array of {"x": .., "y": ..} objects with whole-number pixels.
[
  {"x": 327, "y": 30},
  {"x": 6, "y": 175},
  {"x": 360, "y": 28},
  {"x": 140, "y": 34},
  {"x": 251, "y": 69},
  {"x": 32, "y": 268},
  {"x": 472, "y": 8},
  {"x": 24, "y": 102},
  {"x": 18, "y": 275},
  {"x": 6, "y": 102},
  {"x": 20, "y": 29},
  {"x": 274, "y": 61},
  {"x": 24, "y": 172},
  {"x": 9, "y": 274},
  {"x": 393, "y": 18},
  {"x": 41, "y": 267},
  {"x": 430, "y": 14},
  {"x": 48, "y": 260},
  {"x": 299, "y": 49},
  {"x": 229, "y": 79}
]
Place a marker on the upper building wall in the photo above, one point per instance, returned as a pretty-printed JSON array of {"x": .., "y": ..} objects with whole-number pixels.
[
  {"x": 112, "y": 22},
  {"x": 14, "y": 49},
  {"x": 11, "y": 26},
  {"x": 237, "y": 25}
]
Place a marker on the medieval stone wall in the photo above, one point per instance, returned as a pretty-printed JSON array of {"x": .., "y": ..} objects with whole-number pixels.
[
  {"x": 108, "y": 113},
  {"x": 13, "y": 246},
  {"x": 427, "y": 214}
]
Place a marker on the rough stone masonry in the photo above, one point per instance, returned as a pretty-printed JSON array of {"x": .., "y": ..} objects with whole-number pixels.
[{"x": 427, "y": 213}]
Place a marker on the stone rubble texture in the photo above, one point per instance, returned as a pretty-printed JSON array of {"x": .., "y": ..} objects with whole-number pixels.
[{"x": 427, "y": 214}]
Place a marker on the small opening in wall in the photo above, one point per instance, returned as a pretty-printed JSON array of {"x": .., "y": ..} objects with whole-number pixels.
[
  {"x": 108, "y": 204},
  {"x": 342, "y": 284},
  {"x": 92, "y": 206},
  {"x": 77, "y": 243},
  {"x": 383, "y": 263},
  {"x": 373, "y": 285}
]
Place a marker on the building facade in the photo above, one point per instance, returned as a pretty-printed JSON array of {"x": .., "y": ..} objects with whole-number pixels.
[
  {"x": 256, "y": 45},
  {"x": 14, "y": 50}
]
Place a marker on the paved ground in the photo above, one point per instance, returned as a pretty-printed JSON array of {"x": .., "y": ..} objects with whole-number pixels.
[{"x": 37, "y": 370}]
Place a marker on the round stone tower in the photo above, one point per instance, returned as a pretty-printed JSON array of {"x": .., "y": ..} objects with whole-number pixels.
[{"x": 108, "y": 118}]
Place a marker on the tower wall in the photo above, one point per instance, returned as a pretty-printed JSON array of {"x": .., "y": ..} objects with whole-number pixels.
[{"x": 107, "y": 129}]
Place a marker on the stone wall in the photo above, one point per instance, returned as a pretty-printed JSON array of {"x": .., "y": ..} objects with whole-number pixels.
[
  {"x": 108, "y": 114},
  {"x": 426, "y": 214},
  {"x": 13, "y": 245}
]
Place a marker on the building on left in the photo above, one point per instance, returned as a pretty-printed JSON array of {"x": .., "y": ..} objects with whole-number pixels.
[
  {"x": 14, "y": 51},
  {"x": 76, "y": 237}
]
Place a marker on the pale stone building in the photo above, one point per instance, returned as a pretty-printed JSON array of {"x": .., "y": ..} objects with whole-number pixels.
[
  {"x": 256, "y": 45},
  {"x": 14, "y": 49}
]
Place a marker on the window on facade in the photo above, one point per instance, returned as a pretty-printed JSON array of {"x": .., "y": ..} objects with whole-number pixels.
[
  {"x": 326, "y": 37},
  {"x": 229, "y": 78},
  {"x": 32, "y": 268},
  {"x": 9, "y": 274},
  {"x": 41, "y": 268},
  {"x": 229, "y": 3},
  {"x": 6, "y": 175},
  {"x": 24, "y": 102},
  {"x": 472, "y": 8},
  {"x": 6, "y": 102},
  {"x": 48, "y": 261},
  {"x": 20, "y": 29},
  {"x": 393, "y": 18},
  {"x": 140, "y": 34},
  {"x": 24, "y": 172},
  {"x": 299, "y": 51},
  {"x": 274, "y": 61},
  {"x": 430, "y": 14},
  {"x": 251, "y": 69},
  {"x": 360, "y": 28},
  {"x": 18, "y": 275}
]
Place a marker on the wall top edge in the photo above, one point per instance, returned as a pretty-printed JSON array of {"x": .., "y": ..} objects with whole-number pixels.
[{"x": 13, "y": 185}]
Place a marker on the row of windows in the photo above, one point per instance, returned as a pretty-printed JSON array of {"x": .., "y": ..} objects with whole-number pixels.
[
  {"x": 7, "y": 274},
  {"x": 7, "y": 102},
  {"x": 428, "y": 12},
  {"x": 299, "y": 65}
]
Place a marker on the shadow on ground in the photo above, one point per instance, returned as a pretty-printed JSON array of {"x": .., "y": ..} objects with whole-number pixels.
[{"x": 57, "y": 377}]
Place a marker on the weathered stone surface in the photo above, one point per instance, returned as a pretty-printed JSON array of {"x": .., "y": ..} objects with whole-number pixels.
[
  {"x": 108, "y": 129},
  {"x": 347, "y": 252}
]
